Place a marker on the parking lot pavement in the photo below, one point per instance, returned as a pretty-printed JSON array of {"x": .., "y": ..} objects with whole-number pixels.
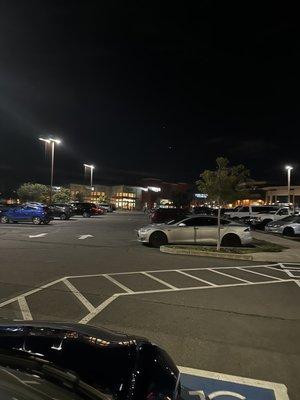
[{"x": 226, "y": 316}]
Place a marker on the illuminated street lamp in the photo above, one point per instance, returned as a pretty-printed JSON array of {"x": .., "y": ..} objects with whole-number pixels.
[
  {"x": 91, "y": 167},
  {"x": 53, "y": 142},
  {"x": 289, "y": 168}
]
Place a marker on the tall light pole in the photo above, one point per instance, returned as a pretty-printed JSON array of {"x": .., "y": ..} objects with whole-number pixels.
[
  {"x": 91, "y": 167},
  {"x": 289, "y": 168},
  {"x": 53, "y": 142}
]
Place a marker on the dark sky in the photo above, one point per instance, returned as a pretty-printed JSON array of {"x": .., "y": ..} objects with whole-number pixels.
[{"x": 144, "y": 89}]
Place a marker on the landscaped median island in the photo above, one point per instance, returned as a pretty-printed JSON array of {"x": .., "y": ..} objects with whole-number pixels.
[{"x": 241, "y": 253}]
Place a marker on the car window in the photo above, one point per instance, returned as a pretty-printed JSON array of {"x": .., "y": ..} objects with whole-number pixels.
[
  {"x": 224, "y": 222},
  {"x": 244, "y": 209},
  {"x": 284, "y": 211},
  {"x": 290, "y": 218},
  {"x": 204, "y": 221}
]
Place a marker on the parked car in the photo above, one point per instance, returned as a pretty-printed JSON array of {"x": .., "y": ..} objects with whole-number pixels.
[
  {"x": 99, "y": 210},
  {"x": 160, "y": 215},
  {"x": 108, "y": 207},
  {"x": 84, "y": 209},
  {"x": 62, "y": 211},
  {"x": 288, "y": 226},
  {"x": 261, "y": 219},
  {"x": 74, "y": 361},
  {"x": 246, "y": 212},
  {"x": 202, "y": 210},
  {"x": 27, "y": 213},
  {"x": 195, "y": 230}
]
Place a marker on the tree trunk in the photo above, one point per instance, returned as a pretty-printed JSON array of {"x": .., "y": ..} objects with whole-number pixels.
[{"x": 219, "y": 229}]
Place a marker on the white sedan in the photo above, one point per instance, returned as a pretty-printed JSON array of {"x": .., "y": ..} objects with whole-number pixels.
[{"x": 195, "y": 230}]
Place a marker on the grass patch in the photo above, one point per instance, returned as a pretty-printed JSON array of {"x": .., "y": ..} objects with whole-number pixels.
[{"x": 258, "y": 246}]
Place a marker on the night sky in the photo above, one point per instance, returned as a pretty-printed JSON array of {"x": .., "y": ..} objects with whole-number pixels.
[{"x": 146, "y": 90}]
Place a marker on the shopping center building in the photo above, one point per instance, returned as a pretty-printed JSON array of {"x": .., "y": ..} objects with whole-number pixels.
[
  {"x": 279, "y": 194},
  {"x": 151, "y": 193}
]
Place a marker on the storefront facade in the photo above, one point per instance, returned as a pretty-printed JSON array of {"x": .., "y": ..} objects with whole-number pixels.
[{"x": 279, "y": 194}]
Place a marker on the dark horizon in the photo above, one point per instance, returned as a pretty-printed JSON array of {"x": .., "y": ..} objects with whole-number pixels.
[{"x": 146, "y": 91}]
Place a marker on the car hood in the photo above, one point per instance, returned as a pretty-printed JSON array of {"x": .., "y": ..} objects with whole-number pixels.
[
  {"x": 279, "y": 223},
  {"x": 95, "y": 362},
  {"x": 155, "y": 226}
]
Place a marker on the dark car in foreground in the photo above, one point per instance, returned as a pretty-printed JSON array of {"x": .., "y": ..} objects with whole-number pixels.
[
  {"x": 35, "y": 213},
  {"x": 72, "y": 361},
  {"x": 162, "y": 215}
]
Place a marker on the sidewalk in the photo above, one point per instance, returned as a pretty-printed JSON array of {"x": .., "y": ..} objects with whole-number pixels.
[{"x": 290, "y": 255}]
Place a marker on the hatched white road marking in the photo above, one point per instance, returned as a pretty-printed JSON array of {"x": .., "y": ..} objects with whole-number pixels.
[
  {"x": 94, "y": 311},
  {"x": 39, "y": 235},
  {"x": 229, "y": 276},
  {"x": 160, "y": 281},
  {"x": 195, "y": 277},
  {"x": 82, "y": 237},
  {"x": 292, "y": 270},
  {"x": 259, "y": 273},
  {"x": 113, "y": 280},
  {"x": 79, "y": 295},
  {"x": 24, "y": 308}
]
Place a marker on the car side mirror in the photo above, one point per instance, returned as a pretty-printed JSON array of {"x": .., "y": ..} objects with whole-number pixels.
[{"x": 182, "y": 224}]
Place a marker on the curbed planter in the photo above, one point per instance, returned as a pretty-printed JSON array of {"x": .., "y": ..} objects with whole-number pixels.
[{"x": 204, "y": 253}]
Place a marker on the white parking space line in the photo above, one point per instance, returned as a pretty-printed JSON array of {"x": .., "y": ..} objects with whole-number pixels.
[
  {"x": 297, "y": 282},
  {"x": 229, "y": 276},
  {"x": 160, "y": 281},
  {"x": 195, "y": 277},
  {"x": 98, "y": 309},
  {"x": 259, "y": 273},
  {"x": 38, "y": 236},
  {"x": 79, "y": 296},
  {"x": 118, "y": 283},
  {"x": 82, "y": 237},
  {"x": 26, "y": 314}
]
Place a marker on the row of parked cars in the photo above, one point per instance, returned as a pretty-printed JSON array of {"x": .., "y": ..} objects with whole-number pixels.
[
  {"x": 39, "y": 213},
  {"x": 172, "y": 225}
]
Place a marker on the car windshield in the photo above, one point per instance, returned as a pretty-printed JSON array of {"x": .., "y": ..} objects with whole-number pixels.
[{"x": 291, "y": 218}]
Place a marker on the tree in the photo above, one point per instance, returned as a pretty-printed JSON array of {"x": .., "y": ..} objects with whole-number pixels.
[
  {"x": 223, "y": 185},
  {"x": 102, "y": 199},
  {"x": 63, "y": 195},
  {"x": 79, "y": 196},
  {"x": 181, "y": 198},
  {"x": 33, "y": 192}
]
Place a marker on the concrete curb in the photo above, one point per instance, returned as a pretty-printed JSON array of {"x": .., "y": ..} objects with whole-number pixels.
[{"x": 199, "y": 253}]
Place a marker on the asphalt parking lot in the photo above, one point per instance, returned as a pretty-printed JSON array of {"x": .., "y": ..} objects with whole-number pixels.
[{"x": 226, "y": 316}]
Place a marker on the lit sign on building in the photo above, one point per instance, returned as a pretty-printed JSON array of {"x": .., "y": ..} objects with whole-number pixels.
[
  {"x": 201, "y": 195},
  {"x": 152, "y": 189}
]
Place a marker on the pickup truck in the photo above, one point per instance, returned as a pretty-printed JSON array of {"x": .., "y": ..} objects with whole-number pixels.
[
  {"x": 260, "y": 220},
  {"x": 245, "y": 213}
]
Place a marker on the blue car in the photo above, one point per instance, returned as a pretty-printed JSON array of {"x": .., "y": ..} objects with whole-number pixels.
[{"x": 36, "y": 214}]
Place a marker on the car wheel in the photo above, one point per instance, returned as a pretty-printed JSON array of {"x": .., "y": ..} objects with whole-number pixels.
[
  {"x": 36, "y": 220},
  {"x": 86, "y": 215},
  {"x": 63, "y": 216},
  {"x": 288, "y": 232},
  {"x": 4, "y": 220},
  {"x": 158, "y": 239},
  {"x": 231, "y": 240}
]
